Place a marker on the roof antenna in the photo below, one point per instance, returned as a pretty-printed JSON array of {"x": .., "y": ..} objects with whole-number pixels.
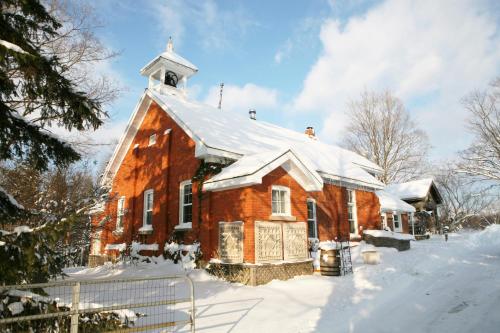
[{"x": 220, "y": 96}]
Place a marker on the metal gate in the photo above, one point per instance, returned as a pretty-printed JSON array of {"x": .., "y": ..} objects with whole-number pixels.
[{"x": 155, "y": 304}]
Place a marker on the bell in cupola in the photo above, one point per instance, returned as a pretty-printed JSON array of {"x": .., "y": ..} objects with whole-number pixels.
[
  {"x": 167, "y": 70},
  {"x": 171, "y": 79}
]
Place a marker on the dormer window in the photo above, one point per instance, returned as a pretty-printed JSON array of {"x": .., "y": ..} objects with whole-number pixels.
[{"x": 152, "y": 139}]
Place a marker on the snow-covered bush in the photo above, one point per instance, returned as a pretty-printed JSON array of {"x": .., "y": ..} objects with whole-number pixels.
[
  {"x": 15, "y": 303},
  {"x": 313, "y": 244},
  {"x": 188, "y": 255}
]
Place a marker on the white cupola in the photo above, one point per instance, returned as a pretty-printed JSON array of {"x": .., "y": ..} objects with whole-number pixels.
[{"x": 169, "y": 71}]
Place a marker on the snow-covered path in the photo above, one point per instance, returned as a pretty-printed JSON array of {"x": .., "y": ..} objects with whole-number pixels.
[
  {"x": 434, "y": 287},
  {"x": 456, "y": 289}
]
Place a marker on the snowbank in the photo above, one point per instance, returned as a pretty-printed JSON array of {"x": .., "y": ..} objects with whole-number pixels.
[
  {"x": 489, "y": 237},
  {"x": 389, "y": 234},
  {"x": 447, "y": 287}
]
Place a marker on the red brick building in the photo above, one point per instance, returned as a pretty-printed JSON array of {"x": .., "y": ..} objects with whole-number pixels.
[{"x": 183, "y": 167}]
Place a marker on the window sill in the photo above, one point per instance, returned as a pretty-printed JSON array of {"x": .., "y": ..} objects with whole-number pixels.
[
  {"x": 184, "y": 226},
  {"x": 118, "y": 232},
  {"x": 282, "y": 218},
  {"x": 145, "y": 230}
]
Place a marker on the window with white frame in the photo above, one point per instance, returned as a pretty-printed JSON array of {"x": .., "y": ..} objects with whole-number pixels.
[
  {"x": 351, "y": 212},
  {"x": 396, "y": 220},
  {"x": 280, "y": 201},
  {"x": 312, "y": 225},
  {"x": 186, "y": 202},
  {"x": 148, "y": 208},
  {"x": 120, "y": 213},
  {"x": 152, "y": 139}
]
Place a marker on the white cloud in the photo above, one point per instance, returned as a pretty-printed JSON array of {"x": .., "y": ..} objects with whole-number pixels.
[
  {"x": 430, "y": 53},
  {"x": 241, "y": 99},
  {"x": 214, "y": 27},
  {"x": 305, "y": 31},
  {"x": 283, "y": 51}
]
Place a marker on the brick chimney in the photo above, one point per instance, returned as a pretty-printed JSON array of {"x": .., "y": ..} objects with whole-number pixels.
[{"x": 310, "y": 132}]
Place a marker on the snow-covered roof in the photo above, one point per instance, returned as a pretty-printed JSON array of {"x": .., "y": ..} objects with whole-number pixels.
[
  {"x": 250, "y": 169},
  {"x": 389, "y": 202},
  {"x": 182, "y": 65},
  {"x": 416, "y": 189},
  {"x": 174, "y": 57},
  {"x": 228, "y": 134},
  {"x": 232, "y": 135}
]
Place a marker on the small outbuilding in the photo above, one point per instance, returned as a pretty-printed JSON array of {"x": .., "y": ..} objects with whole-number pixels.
[{"x": 423, "y": 194}]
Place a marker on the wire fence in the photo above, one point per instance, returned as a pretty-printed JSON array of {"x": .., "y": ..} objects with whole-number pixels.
[{"x": 157, "y": 304}]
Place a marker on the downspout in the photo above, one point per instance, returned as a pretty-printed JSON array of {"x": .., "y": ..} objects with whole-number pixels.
[
  {"x": 167, "y": 176},
  {"x": 136, "y": 195},
  {"x": 341, "y": 217}
]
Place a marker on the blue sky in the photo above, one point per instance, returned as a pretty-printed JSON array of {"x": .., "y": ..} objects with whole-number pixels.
[{"x": 300, "y": 62}]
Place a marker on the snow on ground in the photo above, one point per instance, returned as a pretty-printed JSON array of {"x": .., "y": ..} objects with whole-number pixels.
[{"x": 436, "y": 286}]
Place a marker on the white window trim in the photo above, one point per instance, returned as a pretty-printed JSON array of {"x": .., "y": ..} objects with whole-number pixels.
[
  {"x": 287, "y": 200},
  {"x": 354, "y": 211},
  {"x": 183, "y": 225},
  {"x": 120, "y": 213},
  {"x": 144, "y": 210},
  {"x": 400, "y": 222},
  {"x": 315, "y": 217},
  {"x": 152, "y": 139}
]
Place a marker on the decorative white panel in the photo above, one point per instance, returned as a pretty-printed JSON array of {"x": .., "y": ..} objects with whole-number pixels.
[
  {"x": 231, "y": 242},
  {"x": 268, "y": 242},
  {"x": 295, "y": 241}
]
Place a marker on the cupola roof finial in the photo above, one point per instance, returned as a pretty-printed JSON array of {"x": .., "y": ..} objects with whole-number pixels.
[{"x": 170, "y": 45}]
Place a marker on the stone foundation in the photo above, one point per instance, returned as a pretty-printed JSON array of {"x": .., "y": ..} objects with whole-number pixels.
[
  {"x": 257, "y": 274},
  {"x": 399, "y": 244}
]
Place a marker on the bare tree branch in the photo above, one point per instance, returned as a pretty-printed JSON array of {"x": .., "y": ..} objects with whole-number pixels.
[
  {"x": 381, "y": 129},
  {"x": 482, "y": 158}
]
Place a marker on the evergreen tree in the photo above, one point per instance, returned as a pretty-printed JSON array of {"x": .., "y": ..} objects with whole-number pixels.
[
  {"x": 31, "y": 80},
  {"x": 35, "y": 93}
]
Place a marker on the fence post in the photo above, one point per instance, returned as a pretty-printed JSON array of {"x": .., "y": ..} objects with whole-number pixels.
[
  {"x": 191, "y": 285},
  {"x": 75, "y": 307}
]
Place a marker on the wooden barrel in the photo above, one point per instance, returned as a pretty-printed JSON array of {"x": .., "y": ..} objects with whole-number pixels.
[{"x": 330, "y": 263}]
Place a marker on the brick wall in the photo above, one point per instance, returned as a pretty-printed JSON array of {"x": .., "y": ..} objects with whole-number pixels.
[
  {"x": 331, "y": 212},
  {"x": 368, "y": 209},
  {"x": 171, "y": 160},
  {"x": 250, "y": 204},
  {"x": 406, "y": 225},
  {"x": 160, "y": 167}
]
